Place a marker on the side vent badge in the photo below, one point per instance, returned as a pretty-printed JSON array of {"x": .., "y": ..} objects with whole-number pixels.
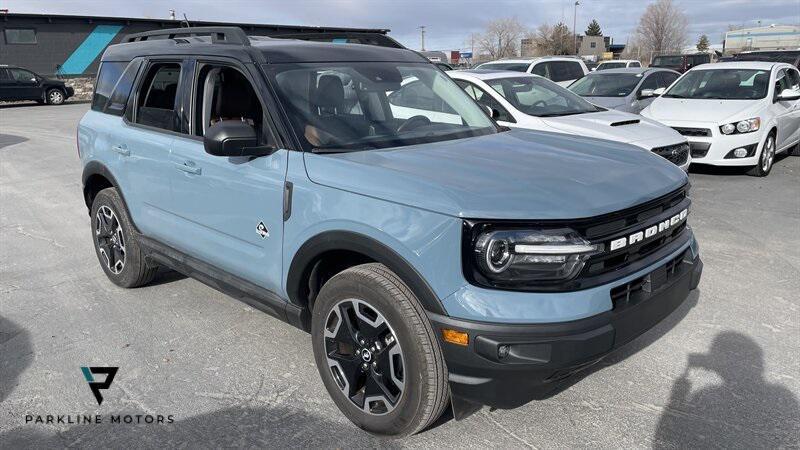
[{"x": 262, "y": 230}]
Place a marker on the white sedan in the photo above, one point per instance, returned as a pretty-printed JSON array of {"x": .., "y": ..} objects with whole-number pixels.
[
  {"x": 519, "y": 100},
  {"x": 735, "y": 113}
]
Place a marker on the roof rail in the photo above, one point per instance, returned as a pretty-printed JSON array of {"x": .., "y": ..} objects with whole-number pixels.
[{"x": 219, "y": 35}]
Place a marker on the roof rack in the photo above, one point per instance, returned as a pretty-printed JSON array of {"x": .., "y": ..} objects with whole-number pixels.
[{"x": 219, "y": 35}]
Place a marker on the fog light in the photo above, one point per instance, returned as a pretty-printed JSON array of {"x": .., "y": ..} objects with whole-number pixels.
[{"x": 740, "y": 152}]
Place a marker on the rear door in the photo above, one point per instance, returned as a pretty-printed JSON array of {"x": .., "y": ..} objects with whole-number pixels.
[
  {"x": 228, "y": 210},
  {"x": 26, "y": 84},
  {"x": 7, "y": 85}
]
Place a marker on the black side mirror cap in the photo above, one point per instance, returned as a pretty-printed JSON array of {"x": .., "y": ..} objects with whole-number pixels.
[{"x": 234, "y": 138}]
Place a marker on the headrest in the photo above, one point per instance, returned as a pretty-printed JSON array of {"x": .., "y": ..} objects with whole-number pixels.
[{"x": 329, "y": 92}]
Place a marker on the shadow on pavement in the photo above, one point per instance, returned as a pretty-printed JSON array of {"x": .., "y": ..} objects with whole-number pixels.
[
  {"x": 240, "y": 427},
  {"x": 10, "y": 139},
  {"x": 706, "y": 169},
  {"x": 16, "y": 354},
  {"x": 23, "y": 104},
  {"x": 730, "y": 413}
]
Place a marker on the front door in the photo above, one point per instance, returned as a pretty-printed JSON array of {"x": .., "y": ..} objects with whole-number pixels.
[
  {"x": 26, "y": 85},
  {"x": 229, "y": 210}
]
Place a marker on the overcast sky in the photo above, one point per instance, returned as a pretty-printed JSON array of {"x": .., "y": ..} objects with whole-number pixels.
[{"x": 448, "y": 22}]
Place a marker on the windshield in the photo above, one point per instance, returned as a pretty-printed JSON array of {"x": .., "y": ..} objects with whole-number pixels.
[
  {"x": 512, "y": 66},
  {"x": 606, "y": 85},
  {"x": 539, "y": 97},
  {"x": 725, "y": 84},
  {"x": 672, "y": 61},
  {"x": 367, "y": 105},
  {"x": 614, "y": 65}
]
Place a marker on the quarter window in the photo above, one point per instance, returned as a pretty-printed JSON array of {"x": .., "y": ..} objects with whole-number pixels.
[
  {"x": 156, "y": 105},
  {"x": 110, "y": 73},
  {"x": 20, "y": 36}
]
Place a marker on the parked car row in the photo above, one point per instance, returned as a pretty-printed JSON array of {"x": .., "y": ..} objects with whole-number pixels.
[{"x": 729, "y": 114}]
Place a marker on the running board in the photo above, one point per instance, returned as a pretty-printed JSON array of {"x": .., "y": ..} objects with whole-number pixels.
[{"x": 229, "y": 284}]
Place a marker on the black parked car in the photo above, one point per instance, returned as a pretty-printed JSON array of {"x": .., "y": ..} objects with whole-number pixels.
[{"x": 17, "y": 83}]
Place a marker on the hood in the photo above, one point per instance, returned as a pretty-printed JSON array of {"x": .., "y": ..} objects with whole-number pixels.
[
  {"x": 512, "y": 175},
  {"x": 693, "y": 110},
  {"x": 628, "y": 127},
  {"x": 608, "y": 102}
]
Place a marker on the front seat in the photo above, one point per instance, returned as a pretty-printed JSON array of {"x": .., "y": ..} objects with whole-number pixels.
[{"x": 326, "y": 126}]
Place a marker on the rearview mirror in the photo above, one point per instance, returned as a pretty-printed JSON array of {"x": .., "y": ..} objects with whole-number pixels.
[
  {"x": 234, "y": 138},
  {"x": 491, "y": 112},
  {"x": 789, "y": 94}
]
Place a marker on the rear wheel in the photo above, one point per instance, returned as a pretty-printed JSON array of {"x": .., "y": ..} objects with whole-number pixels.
[
  {"x": 767, "y": 158},
  {"x": 119, "y": 253},
  {"x": 55, "y": 97},
  {"x": 377, "y": 353}
]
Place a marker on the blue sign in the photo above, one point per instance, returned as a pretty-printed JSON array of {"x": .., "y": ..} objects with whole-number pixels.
[{"x": 466, "y": 55}]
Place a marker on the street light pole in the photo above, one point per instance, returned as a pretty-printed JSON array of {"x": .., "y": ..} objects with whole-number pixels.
[
  {"x": 422, "y": 36},
  {"x": 574, "y": 24}
]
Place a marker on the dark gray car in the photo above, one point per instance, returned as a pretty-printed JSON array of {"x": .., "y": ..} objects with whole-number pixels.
[{"x": 629, "y": 90}]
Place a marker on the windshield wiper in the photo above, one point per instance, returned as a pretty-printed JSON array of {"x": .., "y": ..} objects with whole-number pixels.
[
  {"x": 572, "y": 113},
  {"x": 325, "y": 150},
  {"x": 674, "y": 96}
]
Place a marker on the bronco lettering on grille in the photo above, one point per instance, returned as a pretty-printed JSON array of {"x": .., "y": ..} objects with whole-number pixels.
[{"x": 649, "y": 232}]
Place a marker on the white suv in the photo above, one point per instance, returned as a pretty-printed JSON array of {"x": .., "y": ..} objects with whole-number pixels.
[
  {"x": 560, "y": 69},
  {"x": 617, "y": 64},
  {"x": 734, "y": 113}
]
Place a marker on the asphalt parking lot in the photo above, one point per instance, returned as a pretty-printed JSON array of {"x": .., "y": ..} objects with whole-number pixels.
[{"x": 722, "y": 371}]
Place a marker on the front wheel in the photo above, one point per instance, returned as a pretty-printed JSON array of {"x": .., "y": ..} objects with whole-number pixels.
[
  {"x": 377, "y": 353},
  {"x": 55, "y": 97},
  {"x": 766, "y": 160}
]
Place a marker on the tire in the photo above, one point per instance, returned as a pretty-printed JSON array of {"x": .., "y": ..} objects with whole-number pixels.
[
  {"x": 417, "y": 377},
  {"x": 55, "y": 97},
  {"x": 766, "y": 158},
  {"x": 115, "y": 243}
]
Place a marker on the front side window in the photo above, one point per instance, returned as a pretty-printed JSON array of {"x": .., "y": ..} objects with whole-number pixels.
[
  {"x": 723, "y": 84},
  {"x": 485, "y": 99},
  {"x": 793, "y": 76},
  {"x": 20, "y": 36},
  {"x": 651, "y": 82},
  {"x": 22, "y": 76},
  {"x": 606, "y": 85},
  {"x": 225, "y": 94},
  {"x": 155, "y": 104},
  {"x": 337, "y": 107},
  {"x": 667, "y": 78},
  {"x": 541, "y": 98}
]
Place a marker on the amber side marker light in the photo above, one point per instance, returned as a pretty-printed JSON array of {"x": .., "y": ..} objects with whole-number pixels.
[{"x": 455, "y": 337}]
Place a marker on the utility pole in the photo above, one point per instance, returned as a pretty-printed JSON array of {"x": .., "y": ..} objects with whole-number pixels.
[
  {"x": 574, "y": 24},
  {"x": 422, "y": 36}
]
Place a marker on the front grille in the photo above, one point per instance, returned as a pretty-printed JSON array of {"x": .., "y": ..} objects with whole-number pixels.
[
  {"x": 704, "y": 132},
  {"x": 641, "y": 288},
  {"x": 699, "y": 149},
  {"x": 676, "y": 154}
]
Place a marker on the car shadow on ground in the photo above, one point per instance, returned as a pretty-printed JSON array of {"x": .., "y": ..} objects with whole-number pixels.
[
  {"x": 705, "y": 169},
  {"x": 33, "y": 103},
  {"x": 16, "y": 354},
  {"x": 10, "y": 139},
  {"x": 722, "y": 414}
]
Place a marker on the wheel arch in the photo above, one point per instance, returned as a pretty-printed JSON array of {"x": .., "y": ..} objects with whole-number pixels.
[
  {"x": 340, "y": 250},
  {"x": 96, "y": 177}
]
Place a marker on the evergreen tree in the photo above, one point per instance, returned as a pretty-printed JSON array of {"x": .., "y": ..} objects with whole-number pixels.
[
  {"x": 594, "y": 29},
  {"x": 702, "y": 44}
]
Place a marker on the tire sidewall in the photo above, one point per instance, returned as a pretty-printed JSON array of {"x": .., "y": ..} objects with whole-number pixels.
[
  {"x": 758, "y": 170},
  {"x": 129, "y": 274},
  {"x": 405, "y": 415}
]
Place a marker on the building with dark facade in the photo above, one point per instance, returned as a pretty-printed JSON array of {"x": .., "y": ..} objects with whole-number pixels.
[{"x": 71, "y": 46}]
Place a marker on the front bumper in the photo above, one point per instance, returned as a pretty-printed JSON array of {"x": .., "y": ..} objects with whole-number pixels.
[
  {"x": 508, "y": 365},
  {"x": 69, "y": 91},
  {"x": 713, "y": 149}
]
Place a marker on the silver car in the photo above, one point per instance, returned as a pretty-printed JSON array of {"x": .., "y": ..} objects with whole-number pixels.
[{"x": 629, "y": 90}]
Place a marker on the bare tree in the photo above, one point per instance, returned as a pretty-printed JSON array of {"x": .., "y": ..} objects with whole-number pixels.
[
  {"x": 501, "y": 38},
  {"x": 662, "y": 28},
  {"x": 552, "y": 39}
]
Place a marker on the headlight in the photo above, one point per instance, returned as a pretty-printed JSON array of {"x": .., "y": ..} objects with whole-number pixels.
[
  {"x": 508, "y": 257},
  {"x": 742, "y": 126}
]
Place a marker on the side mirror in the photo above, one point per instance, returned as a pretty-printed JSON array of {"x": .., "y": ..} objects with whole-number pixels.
[
  {"x": 647, "y": 93},
  {"x": 788, "y": 95},
  {"x": 659, "y": 92},
  {"x": 234, "y": 138}
]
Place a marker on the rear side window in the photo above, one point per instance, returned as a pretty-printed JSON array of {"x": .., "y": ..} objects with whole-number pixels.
[
  {"x": 155, "y": 105},
  {"x": 110, "y": 73},
  {"x": 564, "y": 71},
  {"x": 113, "y": 89}
]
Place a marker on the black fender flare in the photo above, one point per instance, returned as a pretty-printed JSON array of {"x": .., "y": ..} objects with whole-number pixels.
[
  {"x": 97, "y": 168},
  {"x": 303, "y": 260}
]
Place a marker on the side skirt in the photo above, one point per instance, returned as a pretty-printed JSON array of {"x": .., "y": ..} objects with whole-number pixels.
[{"x": 227, "y": 283}]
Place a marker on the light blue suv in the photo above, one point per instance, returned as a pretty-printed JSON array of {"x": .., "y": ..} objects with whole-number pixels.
[{"x": 436, "y": 258}]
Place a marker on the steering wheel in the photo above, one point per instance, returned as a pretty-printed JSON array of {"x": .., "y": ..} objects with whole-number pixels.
[{"x": 414, "y": 122}]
